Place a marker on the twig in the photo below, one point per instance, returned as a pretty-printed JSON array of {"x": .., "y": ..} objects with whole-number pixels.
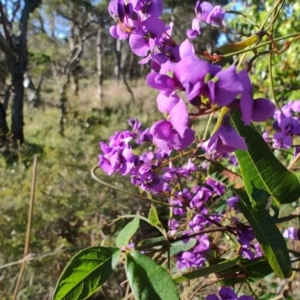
[
  {"x": 28, "y": 231},
  {"x": 293, "y": 161}
]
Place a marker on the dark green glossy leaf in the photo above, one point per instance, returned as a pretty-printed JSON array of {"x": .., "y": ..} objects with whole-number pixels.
[
  {"x": 86, "y": 272},
  {"x": 250, "y": 270},
  {"x": 153, "y": 216},
  {"x": 208, "y": 270},
  {"x": 127, "y": 232},
  {"x": 148, "y": 280},
  {"x": 264, "y": 176}
]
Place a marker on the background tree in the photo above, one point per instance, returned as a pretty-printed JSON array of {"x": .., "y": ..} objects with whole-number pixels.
[{"x": 14, "y": 45}]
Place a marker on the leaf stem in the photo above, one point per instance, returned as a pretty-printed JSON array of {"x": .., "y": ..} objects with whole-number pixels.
[{"x": 263, "y": 44}]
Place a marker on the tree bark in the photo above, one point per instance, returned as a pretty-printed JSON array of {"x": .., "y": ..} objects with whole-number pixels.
[
  {"x": 17, "y": 72},
  {"x": 3, "y": 125},
  {"x": 118, "y": 67},
  {"x": 99, "y": 63}
]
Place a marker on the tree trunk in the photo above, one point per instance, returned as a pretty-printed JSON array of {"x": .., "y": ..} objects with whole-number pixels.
[
  {"x": 99, "y": 64},
  {"x": 75, "y": 75},
  {"x": 125, "y": 58},
  {"x": 118, "y": 67},
  {"x": 3, "y": 125},
  {"x": 63, "y": 105},
  {"x": 17, "y": 72}
]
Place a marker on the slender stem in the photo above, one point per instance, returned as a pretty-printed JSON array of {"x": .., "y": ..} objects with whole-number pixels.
[
  {"x": 28, "y": 231},
  {"x": 124, "y": 191},
  {"x": 271, "y": 79},
  {"x": 293, "y": 161},
  {"x": 275, "y": 15},
  {"x": 269, "y": 14},
  {"x": 207, "y": 126}
]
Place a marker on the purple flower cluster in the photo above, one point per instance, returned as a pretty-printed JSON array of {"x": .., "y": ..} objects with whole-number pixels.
[
  {"x": 189, "y": 88},
  {"x": 196, "y": 200},
  {"x": 226, "y": 293},
  {"x": 286, "y": 126},
  {"x": 176, "y": 68},
  {"x": 205, "y": 12}
]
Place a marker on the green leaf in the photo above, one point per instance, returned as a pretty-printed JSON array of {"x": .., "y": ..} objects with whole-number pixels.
[
  {"x": 264, "y": 227},
  {"x": 153, "y": 216},
  {"x": 208, "y": 270},
  {"x": 250, "y": 270},
  {"x": 151, "y": 242},
  {"x": 86, "y": 272},
  {"x": 269, "y": 237},
  {"x": 261, "y": 170},
  {"x": 148, "y": 280},
  {"x": 127, "y": 232},
  {"x": 180, "y": 246}
]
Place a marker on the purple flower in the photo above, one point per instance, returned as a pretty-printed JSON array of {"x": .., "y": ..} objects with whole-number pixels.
[
  {"x": 217, "y": 187},
  {"x": 212, "y": 297},
  {"x": 296, "y": 106},
  {"x": 125, "y": 16},
  {"x": 166, "y": 137},
  {"x": 226, "y": 293},
  {"x": 202, "y": 10},
  {"x": 289, "y": 125},
  {"x": 232, "y": 201},
  {"x": 291, "y": 233},
  {"x": 245, "y": 297},
  {"x": 150, "y": 7},
  {"x": 134, "y": 124},
  {"x": 116, "y": 160},
  {"x": 145, "y": 136},
  {"x": 281, "y": 140},
  {"x": 257, "y": 110},
  {"x": 216, "y": 16},
  {"x": 146, "y": 36},
  {"x": 225, "y": 86},
  {"x": 246, "y": 252},
  {"x": 191, "y": 72},
  {"x": 195, "y": 257},
  {"x": 225, "y": 139},
  {"x": 245, "y": 236},
  {"x": 195, "y": 30},
  {"x": 198, "y": 223}
]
